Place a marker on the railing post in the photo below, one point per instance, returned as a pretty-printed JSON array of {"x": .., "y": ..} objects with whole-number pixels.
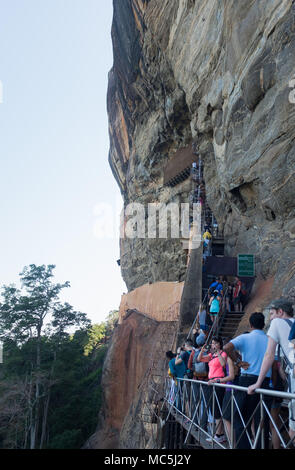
[
  {"x": 232, "y": 419},
  {"x": 262, "y": 423}
]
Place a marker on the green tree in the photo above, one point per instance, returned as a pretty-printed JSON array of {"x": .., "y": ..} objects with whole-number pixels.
[{"x": 24, "y": 313}]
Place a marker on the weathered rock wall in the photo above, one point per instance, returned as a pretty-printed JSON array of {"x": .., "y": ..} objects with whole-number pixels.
[
  {"x": 217, "y": 73},
  {"x": 138, "y": 345}
]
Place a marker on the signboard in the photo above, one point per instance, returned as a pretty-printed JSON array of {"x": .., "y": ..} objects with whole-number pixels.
[{"x": 246, "y": 265}]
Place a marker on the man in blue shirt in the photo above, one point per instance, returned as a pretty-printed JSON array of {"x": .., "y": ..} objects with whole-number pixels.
[
  {"x": 252, "y": 348},
  {"x": 216, "y": 285}
]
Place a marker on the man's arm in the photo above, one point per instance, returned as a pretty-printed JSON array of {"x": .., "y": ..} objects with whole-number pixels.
[
  {"x": 178, "y": 360},
  {"x": 268, "y": 359},
  {"x": 232, "y": 353}
]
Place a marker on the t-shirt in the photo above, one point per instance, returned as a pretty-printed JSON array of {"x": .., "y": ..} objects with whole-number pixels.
[
  {"x": 202, "y": 317},
  {"x": 184, "y": 355},
  {"x": 279, "y": 331},
  {"x": 252, "y": 347},
  {"x": 217, "y": 286},
  {"x": 237, "y": 289},
  {"x": 177, "y": 370},
  {"x": 215, "y": 368},
  {"x": 207, "y": 235},
  {"x": 214, "y": 307}
]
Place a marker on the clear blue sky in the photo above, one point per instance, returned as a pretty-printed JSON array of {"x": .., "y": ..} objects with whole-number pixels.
[{"x": 55, "y": 56}]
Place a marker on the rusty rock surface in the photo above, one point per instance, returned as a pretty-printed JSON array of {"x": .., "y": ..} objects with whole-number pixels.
[{"x": 137, "y": 344}]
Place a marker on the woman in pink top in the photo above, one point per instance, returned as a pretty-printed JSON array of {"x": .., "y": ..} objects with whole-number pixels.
[{"x": 216, "y": 361}]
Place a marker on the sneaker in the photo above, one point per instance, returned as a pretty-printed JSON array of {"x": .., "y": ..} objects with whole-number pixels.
[{"x": 219, "y": 439}]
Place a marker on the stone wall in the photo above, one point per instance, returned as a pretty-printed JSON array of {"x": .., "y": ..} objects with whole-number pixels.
[{"x": 159, "y": 301}]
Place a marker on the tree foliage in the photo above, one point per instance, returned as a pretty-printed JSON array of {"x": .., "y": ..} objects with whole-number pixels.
[{"x": 50, "y": 379}]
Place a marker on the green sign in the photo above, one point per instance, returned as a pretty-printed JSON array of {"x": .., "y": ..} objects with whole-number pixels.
[{"x": 246, "y": 265}]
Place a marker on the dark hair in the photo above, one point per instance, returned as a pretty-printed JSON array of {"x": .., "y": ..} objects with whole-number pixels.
[
  {"x": 218, "y": 339},
  {"x": 170, "y": 355},
  {"x": 284, "y": 304},
  {"x": 189, "y": 342},
  {"x": 257, "y": 321}
]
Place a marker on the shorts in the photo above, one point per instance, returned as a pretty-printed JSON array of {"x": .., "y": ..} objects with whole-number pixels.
[{"x": 226, "y": 404}]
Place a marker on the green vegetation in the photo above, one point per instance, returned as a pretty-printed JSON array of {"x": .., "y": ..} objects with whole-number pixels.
[{"x": 50, "y": 392}]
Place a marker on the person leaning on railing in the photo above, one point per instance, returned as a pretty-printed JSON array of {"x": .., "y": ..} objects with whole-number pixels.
[
  {"x": 217, "y": 362},
  {"x": 252, "y": 347},
  {"x": 282, "y": 320},
  {"x": 231, "y": 378}
]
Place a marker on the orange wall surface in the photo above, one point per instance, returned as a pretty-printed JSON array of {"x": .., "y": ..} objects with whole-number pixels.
[{"x": 159, "y": 301}]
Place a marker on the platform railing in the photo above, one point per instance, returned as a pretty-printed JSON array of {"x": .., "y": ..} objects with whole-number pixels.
[{"x": 194, "y": 402}]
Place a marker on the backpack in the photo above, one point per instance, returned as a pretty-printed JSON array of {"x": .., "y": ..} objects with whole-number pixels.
[
  {"x": 200, "y": 369},
  {"x": 288, "y": 368},
  {"x": 287, "y": 365}
]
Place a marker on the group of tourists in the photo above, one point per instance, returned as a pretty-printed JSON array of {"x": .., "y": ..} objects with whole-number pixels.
[
  {"x": 234, "y": 292},
  {"x": 253, "y": 360}
]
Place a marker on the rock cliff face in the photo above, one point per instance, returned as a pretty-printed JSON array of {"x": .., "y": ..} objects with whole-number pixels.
[
  {"x": 215, "y": 75},
  {"x": 137, "y": 346}
]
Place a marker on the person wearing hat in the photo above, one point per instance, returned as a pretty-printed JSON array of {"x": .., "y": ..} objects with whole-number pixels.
[{"x": 281, "y": 317}]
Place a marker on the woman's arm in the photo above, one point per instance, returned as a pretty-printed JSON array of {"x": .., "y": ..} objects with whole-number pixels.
[
  {"x": 231, "y": 372},
  {"x": 202, "y": 358}
]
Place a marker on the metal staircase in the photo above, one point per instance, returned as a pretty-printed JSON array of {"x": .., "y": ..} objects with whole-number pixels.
[{"x": 229, "y": 324}]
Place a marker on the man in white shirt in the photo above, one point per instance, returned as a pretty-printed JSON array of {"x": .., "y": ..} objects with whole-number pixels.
[{"x": 281, "y": 316}]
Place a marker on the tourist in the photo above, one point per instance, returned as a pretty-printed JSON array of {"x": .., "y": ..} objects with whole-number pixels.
[
  {"x": 278, "y": 381},
  {"x": 229, "y": 297},
  {"x": 216, "y": 285},
  {"x": 214, "y": 307},
  {"x": 177, "y": 371},
  {"x": 216, "y": 360},
  {"x": 237, "y": 294},
  {"x": 252, "y": 348},
  {"x": 231, "y": 378},
  {"x": 281, "y": 316},
  {"x": 203, "y": 319},
  {"x": 183, "y": 354}
]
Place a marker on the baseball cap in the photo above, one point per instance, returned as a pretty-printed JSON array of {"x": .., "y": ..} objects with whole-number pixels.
[{"x": 282, "y": 303}]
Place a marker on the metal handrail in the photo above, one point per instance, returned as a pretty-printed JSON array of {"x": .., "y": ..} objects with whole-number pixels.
[{"x": 187, "y": 406}]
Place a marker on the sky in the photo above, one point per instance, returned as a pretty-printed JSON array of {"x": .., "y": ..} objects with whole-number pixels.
[{"x": 55, "y": 56}]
